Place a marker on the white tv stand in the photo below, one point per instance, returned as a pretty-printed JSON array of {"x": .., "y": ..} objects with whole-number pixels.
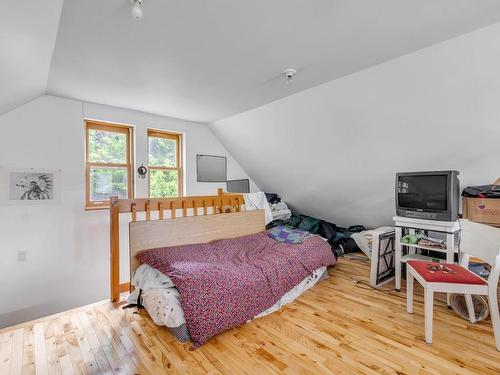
[{"x": 410, "y": 225}]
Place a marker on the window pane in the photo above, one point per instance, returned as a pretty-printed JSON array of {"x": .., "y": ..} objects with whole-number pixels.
[
  {"x": 107, "y": 147},
  {"x": 106, "y": 182},
  {"x": 162, "y": 152},
  {"x": 163, "y": 183}
]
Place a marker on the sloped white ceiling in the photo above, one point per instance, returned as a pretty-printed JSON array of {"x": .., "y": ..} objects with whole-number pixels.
[
  {"x": 204, "y": 60},
  {"x": 28, "y": 30},
  {"x": 333, "y": 151}
]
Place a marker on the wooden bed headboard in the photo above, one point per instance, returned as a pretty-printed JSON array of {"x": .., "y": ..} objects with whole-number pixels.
[
  {"x": 154, "y": 234},
  {"x": 178, "y": 221}
]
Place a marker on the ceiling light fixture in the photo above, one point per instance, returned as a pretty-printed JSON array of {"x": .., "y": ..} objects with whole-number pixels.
[
  {"x": 289, "y": 74},
  {"x": 136, "y": 9}
]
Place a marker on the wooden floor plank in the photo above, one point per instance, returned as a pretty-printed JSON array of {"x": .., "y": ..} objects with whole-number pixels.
[
  {"x": 6, "y": 342},
  {"x": 16, "y": 359},
  {"x": 114, "y": 349},
  {"x": 62, "y": 352},
  {"x": 41, "y": 360},
  {"x": 115, "y": 362},
  {"x": 51, "y": 348},
  {"x": 340, "y": 326},
  {"x": 73, "y": 345},
  {"x": 95, "y": 345},
  {"x": 28, "y": 351},
  {"x": 85, "y": 349}
]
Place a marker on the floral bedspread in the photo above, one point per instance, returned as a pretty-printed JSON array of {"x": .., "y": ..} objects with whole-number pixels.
[{"x": 225, "y": 283}]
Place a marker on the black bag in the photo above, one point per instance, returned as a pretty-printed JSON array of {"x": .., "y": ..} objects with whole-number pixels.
[
  {"x": 484, "y": 191},
  {"x": 349, "y": 245},
  {"x": 327, "y": 230},
  {"x": 272, "y": 198},
  {"x": 356, "y": 228}
]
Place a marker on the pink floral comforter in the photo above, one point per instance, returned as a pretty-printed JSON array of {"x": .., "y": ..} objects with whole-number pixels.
[{"x": 224, "y": 283}]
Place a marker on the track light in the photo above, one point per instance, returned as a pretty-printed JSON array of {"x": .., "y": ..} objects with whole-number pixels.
[{"x": 137, "y": 9}]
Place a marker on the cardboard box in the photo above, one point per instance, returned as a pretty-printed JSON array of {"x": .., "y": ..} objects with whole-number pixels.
[{"x": 482, "y": 210}]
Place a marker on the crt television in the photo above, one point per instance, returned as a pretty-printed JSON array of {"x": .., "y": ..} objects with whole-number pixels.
[{"x": 428, "y": 195}]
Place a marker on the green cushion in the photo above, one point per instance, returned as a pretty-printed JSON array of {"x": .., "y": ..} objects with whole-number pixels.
[
  {"x": 293, "y": 221},
  {"x": 309, "y": 224}
]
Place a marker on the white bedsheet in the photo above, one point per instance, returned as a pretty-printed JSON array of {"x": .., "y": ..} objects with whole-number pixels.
[
  {"x": 258, "y": 201},
  {"x": 163, "y": 303}
]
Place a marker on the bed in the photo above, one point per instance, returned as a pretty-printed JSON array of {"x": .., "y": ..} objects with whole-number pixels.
[
  {"x": 161, "y": 299},
  {"x": 214, "y": 269}
]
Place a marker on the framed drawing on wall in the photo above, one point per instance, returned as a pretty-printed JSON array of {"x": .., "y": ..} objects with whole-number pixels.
[{"x": 29, "y": 186}]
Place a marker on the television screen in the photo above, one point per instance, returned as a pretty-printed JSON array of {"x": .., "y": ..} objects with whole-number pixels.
[
  {"x": 238, "y": 186},
  {"x": 425, "y": 192},
  {"x": 211, "y": 168}
]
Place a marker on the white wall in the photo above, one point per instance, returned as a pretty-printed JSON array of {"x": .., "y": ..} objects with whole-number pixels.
[
  {"x": 68, "y": 248},
  {"x": 332, "y": 151}
]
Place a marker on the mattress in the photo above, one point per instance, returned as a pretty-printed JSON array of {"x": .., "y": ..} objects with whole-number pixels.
[{"x": 162, "y": 300}]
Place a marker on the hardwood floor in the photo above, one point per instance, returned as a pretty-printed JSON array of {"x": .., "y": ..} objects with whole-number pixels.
[{"x": 337, "y": 327}]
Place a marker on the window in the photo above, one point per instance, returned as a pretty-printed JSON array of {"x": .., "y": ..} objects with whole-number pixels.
[
  {"x": 108, "y": 163},
  {"x": 164, "y": 164}
]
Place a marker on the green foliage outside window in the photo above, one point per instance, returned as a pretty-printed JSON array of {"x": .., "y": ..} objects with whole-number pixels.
[
  {"x": 163, "y": 182},
  {"x": 107, "y": 147},
  {"x": 111, "y": 147},
  {"x": 162, "y": 152},
  {"x": 106, "y": 182}
]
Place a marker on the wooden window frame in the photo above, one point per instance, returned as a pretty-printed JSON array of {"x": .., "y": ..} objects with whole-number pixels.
[
  {"x": 115, "y": 128},
  {"x": 179, "y": 168}
]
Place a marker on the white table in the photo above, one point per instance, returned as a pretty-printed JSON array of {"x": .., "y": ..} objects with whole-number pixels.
[{"x": 450, "y": 228}]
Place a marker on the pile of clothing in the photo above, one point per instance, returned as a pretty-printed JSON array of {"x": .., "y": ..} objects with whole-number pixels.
[
  {"x": 483, "y": 191},
  {"x": 423, "y": 240},
  {"x": 279, "y": 209},
  {"x": 278, "y": 206},
  {"x": 339, "y": 238},
  {"x": 272, "y": 205}
]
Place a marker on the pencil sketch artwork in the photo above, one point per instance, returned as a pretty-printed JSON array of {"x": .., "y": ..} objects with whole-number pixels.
[{"x": 28, "y": 186}]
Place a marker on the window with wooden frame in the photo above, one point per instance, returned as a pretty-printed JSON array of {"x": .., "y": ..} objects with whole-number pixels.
[
  {"x": 108, "y": 163},
  {"x": 164, "y": 164}
]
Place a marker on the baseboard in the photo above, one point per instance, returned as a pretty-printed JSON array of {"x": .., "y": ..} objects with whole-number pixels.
[{"x": 35, "y": 312}]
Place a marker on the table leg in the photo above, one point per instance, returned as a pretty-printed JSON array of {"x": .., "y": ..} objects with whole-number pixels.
[
  {"x": 450, "y": 257},
  {"x": 398, "y": 254}
]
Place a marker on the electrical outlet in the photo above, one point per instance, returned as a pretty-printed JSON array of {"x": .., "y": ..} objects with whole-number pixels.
[{"x": 21, "y": 256}]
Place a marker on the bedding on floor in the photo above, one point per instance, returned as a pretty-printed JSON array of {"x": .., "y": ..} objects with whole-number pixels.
[{"x": 225, "y": 283}]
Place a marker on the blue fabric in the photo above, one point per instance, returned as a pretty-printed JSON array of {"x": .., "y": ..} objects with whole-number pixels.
[{"x": 288, "y": 235}]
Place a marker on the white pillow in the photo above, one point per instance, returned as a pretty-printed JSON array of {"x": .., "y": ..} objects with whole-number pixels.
[{"x": 147, "y": 277}]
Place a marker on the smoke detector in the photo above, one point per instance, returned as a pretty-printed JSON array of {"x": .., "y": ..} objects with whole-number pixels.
[{"x": 289, "y": 74}]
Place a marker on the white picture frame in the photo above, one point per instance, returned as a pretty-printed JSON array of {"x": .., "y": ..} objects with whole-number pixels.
[{"x": 29, "y": 186}]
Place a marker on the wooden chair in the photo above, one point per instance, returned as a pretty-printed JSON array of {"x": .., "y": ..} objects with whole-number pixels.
[{"x": 478, "y": 240}]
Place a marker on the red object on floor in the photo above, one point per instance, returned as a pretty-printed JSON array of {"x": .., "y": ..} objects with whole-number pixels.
[{"x": 458, "y": 274}]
